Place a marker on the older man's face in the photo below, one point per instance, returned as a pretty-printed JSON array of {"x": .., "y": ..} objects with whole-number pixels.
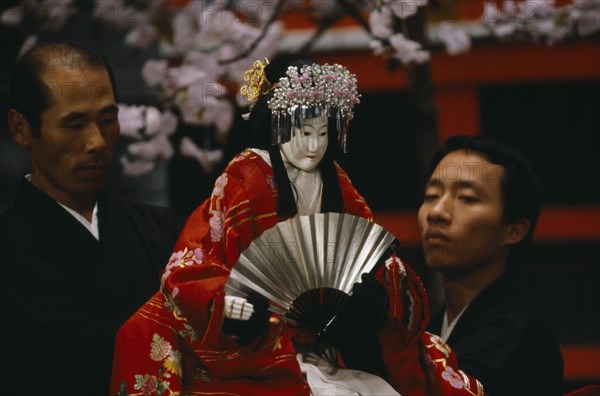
[{"x": 78, "y": 133}]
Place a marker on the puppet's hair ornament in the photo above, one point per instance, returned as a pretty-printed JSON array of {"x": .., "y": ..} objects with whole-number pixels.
[
  {"x": 313, "y": 91},
  {"x": 256, "y": 81}
]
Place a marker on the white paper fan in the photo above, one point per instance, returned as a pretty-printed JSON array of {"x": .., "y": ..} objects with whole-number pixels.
[{"x": 306, "y": 266}]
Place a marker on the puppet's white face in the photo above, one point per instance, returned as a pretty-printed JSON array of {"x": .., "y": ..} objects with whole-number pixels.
[{"x": 307, "y": 147}]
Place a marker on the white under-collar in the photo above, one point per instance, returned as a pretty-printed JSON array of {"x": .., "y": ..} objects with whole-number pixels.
[
  {"x": 447, "y": 328},
  {"x": 91, "y": 226}
]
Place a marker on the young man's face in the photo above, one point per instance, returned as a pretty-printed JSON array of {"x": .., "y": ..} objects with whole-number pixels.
[
  {"x": 461, "y": 215},
  {"x": 306, "y": 148},
  {"x": 78, "y": 133}
]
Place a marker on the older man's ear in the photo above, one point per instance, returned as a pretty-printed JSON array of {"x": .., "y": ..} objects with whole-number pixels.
[{"x": 19, "y": 128}]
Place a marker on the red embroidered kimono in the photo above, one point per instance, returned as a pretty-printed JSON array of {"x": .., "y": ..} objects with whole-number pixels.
[{"x": 174, "y": 345}]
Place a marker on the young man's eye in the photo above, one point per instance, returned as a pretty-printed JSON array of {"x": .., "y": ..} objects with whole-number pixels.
[
  {"x": 74, "y": 127},
  {"x": 430, "y": 197},
  {"x": 468, "y": 198},
  {"x": 108, "y": 121}
]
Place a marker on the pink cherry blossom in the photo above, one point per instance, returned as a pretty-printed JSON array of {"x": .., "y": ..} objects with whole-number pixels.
[
  {"x": 453, "y": 378},
  {"x": 216, "y": 224},
  {"x": 220, "y": 183}
]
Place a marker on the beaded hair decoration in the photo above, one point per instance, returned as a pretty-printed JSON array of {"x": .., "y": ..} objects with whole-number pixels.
[
  {"x": 313, "y": 91},
  {"x": 310, "y": 92}
]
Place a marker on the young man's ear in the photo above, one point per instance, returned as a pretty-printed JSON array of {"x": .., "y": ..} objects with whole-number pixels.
[
  {"x": 19, "y": 128},
  {"x": 515, "y": 232}
]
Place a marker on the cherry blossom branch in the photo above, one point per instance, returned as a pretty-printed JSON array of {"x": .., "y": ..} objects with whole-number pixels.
[
  {"x": 257, "y": 41},
  {"x": 354, "y": 12},
  {"x": 322, "y": 26}
]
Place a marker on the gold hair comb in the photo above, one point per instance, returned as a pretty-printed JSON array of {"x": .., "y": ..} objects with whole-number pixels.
[{"x": 256, "y": 81}]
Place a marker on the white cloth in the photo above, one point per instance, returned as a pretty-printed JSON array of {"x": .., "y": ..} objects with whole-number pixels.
[
  {"x": 92, "y": 226},
  {"x": 327, "y": 380},
  {"x": 447, "y": 328}
]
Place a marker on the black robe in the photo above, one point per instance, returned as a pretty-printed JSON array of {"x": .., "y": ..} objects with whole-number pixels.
[
  {"x": 65, "y": 294},
  {"x": 503, "y": 344}
]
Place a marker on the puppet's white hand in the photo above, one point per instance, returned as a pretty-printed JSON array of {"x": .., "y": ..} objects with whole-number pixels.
[{"x": 238, "y": 308}]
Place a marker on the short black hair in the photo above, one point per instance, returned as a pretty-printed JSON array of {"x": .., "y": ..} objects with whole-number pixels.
[
  {"x": 520, "y": 184},
  {"x": 29, "y": 95}
]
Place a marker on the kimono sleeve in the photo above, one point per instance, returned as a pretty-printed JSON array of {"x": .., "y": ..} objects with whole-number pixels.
[
  {"x": 211, "y": 242},
  {"x": 148, "y": 355}
]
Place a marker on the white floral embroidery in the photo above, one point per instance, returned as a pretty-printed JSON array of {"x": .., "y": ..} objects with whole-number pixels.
[
  {"x": 440, "y": 345},
  {"x": 146, "y": 383},
  {"x": 160, "y": 348}
]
